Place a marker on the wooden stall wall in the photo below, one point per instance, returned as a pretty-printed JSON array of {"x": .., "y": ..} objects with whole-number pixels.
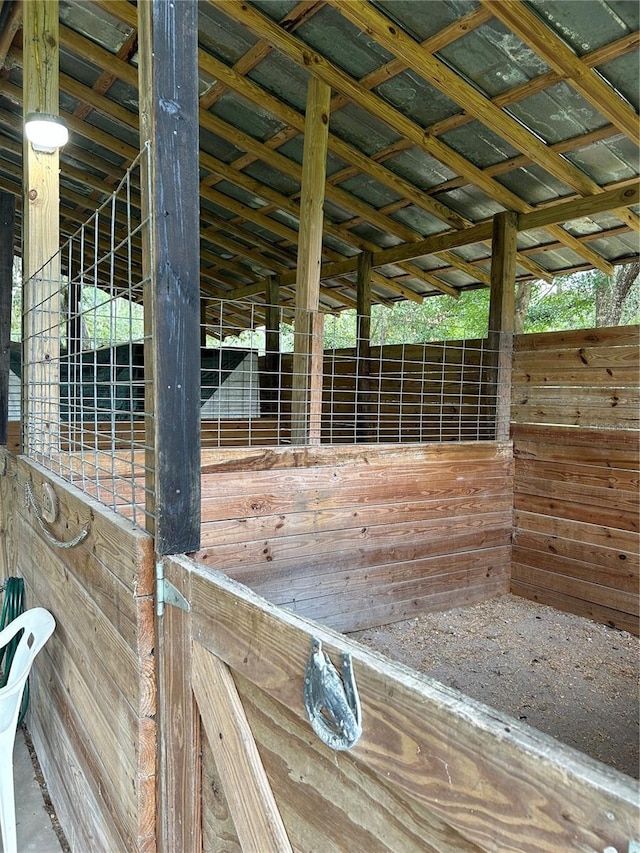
[
  {"x": 433, "y": 771},
  {"x": 402, "y": 393},
  {"x": 93, "y": 696},
  {"x": 576, "y": 444},
  {"x": 360, "y": 536}
]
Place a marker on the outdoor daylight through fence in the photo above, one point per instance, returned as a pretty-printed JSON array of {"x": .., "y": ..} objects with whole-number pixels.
[{"x": 263, "y": 382}]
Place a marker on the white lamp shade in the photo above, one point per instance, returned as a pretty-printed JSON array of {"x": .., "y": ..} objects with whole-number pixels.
[{"x": 45, "y": 132}]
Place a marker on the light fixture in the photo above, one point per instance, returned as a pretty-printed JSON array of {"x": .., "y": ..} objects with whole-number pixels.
[{"x": 45, "y": 132}]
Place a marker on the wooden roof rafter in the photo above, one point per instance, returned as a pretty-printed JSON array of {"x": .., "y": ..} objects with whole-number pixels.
[
  {"x": 261, "y": 151},
  {"x": 522, "y": 21},
  {"x": 380, "y": 196},
  {"x": 301, "y": 54},
  {"x": 360, "y": 162}
]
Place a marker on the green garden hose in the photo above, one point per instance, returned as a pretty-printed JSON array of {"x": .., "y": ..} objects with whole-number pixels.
[{"x": 12, "y": 607}]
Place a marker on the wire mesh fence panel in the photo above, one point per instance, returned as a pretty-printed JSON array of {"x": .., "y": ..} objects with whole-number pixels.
[
  {"x": 269, "y": 375},
  {"x": 397, "y": 393},
  {"x": 84, "y": 389}
]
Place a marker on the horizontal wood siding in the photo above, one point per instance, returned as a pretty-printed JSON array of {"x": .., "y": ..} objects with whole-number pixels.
[
  {"x": 360, "y": 537},
  {"x": 576, "y": 495},
  {"x": 92, "y": 709},
  {"x": 433, "y": 772}
]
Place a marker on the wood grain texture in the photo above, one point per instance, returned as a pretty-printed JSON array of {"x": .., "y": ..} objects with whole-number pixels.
[
  {"x": 179, "y": 779},
  {"x": 576, "y": 487},
  {"x": 374, "y": 538},
  {"x": 331, "y": 802},
  {"x": 218, "y": 831},
  {"x": 169, "y": 118},
  {"x": 96, "y": 706},
  {"x": 250, "y": 799},
  {"x": 501, "y": 785}
]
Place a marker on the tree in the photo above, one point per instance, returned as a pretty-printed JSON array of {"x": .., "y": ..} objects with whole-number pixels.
[
  {"x": 612, "y": 293},
  {"x": 522, "y": 302}
]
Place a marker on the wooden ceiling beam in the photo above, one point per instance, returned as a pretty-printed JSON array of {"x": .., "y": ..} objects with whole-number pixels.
[
  {"x": 304, "y": 56},
  {"x": 103, "y": 59},
  {"x": 11, "y": 27},
  {"x": 464, "y": 25},
  {"x": 614, "y": 201},
  {"x": 281, "y": 202},
  {"x": 300, "y": 53},
  {"x": 299, "y": 15},
  {"x": 293, "y": 170},
  {"x": 550, "y": 78},
  {"x": 227, "y": 131},
  {"x": 255, "y": 94},
  {"x": 528, "y": 26},
  {"x": 394, "y": 39},
  {"x": 480, "y": 233}
]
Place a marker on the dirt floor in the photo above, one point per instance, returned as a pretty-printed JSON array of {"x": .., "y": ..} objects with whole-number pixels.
[{"x": 565, "y": 675}]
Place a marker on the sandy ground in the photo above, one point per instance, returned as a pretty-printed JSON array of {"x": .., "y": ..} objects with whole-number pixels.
[{"x": 569, "y": 677}]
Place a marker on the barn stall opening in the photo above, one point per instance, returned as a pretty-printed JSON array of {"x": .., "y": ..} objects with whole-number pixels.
[{"x": 170, "y": 709}]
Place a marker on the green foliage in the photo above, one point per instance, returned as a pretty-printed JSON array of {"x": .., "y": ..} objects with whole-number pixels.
[
  {"x": 567, "y": 303},
  {"x": 437, "y": 318}
]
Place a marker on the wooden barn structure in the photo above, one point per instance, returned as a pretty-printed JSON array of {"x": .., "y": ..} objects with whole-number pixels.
[{"x": 243, "y": 165}]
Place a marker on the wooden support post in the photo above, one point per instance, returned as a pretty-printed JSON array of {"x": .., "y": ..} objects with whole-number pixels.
[
  {"x": 363, "y": 346},
  {"x": 41, "y": 238},
  {"x": 169, "y": 121},
  {"x": 7, "y": 226},
  {"x": 178, "y": 789},
  {"x": 308, "y": 345},
  {"x": 271, "y": 399},
  {"x": 502, "y": 315}
]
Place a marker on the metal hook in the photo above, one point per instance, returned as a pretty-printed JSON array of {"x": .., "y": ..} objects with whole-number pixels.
[{"x": 331, "y": 701}]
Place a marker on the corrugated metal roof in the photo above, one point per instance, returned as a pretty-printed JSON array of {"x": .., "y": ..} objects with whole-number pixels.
[{"x": 412, "y": 154}]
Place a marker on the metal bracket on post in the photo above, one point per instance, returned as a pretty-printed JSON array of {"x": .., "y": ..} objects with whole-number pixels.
[{"x": 167, "y": 593}]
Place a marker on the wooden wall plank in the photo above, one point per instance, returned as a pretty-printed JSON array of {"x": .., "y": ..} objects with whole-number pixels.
[
  {"x": 249, "y": 796},
  {"x": 607, "y": 336},
  {"x": 80, "y": 810},
  {"x": 570, "y": 604},
  {"x": 500, "y": 784},
  {"x": 218, "y": 831},
  {"x": 331, "y": 802},
  {"x": 576, "y": 486},
  {"x": 384, "y": 525},
  {"x": 580, "y": 533},
  {"x": 549, "y": 578},
  {"x": 97, "y": 672},
  {"x": 256, "y": 459},
  {"x": 279, "y": 535},
  {"x": 613, "y": 479}
]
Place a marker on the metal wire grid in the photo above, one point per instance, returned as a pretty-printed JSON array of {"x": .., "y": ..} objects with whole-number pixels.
[
  {"x": 396, "y": 393},
  {"x": 83, "y": 337}
]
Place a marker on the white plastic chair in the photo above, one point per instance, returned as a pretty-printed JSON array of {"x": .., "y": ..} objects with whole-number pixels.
[{"x": 38, "y": 626}]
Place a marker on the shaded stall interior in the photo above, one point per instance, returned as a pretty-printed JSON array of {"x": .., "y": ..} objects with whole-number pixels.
[{"x": 319, "y": 512}]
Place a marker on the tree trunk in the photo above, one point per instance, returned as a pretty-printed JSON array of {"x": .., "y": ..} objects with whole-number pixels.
[
  {"x": 523, "y": 298},
  {"x": 611, "y": 294}
]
